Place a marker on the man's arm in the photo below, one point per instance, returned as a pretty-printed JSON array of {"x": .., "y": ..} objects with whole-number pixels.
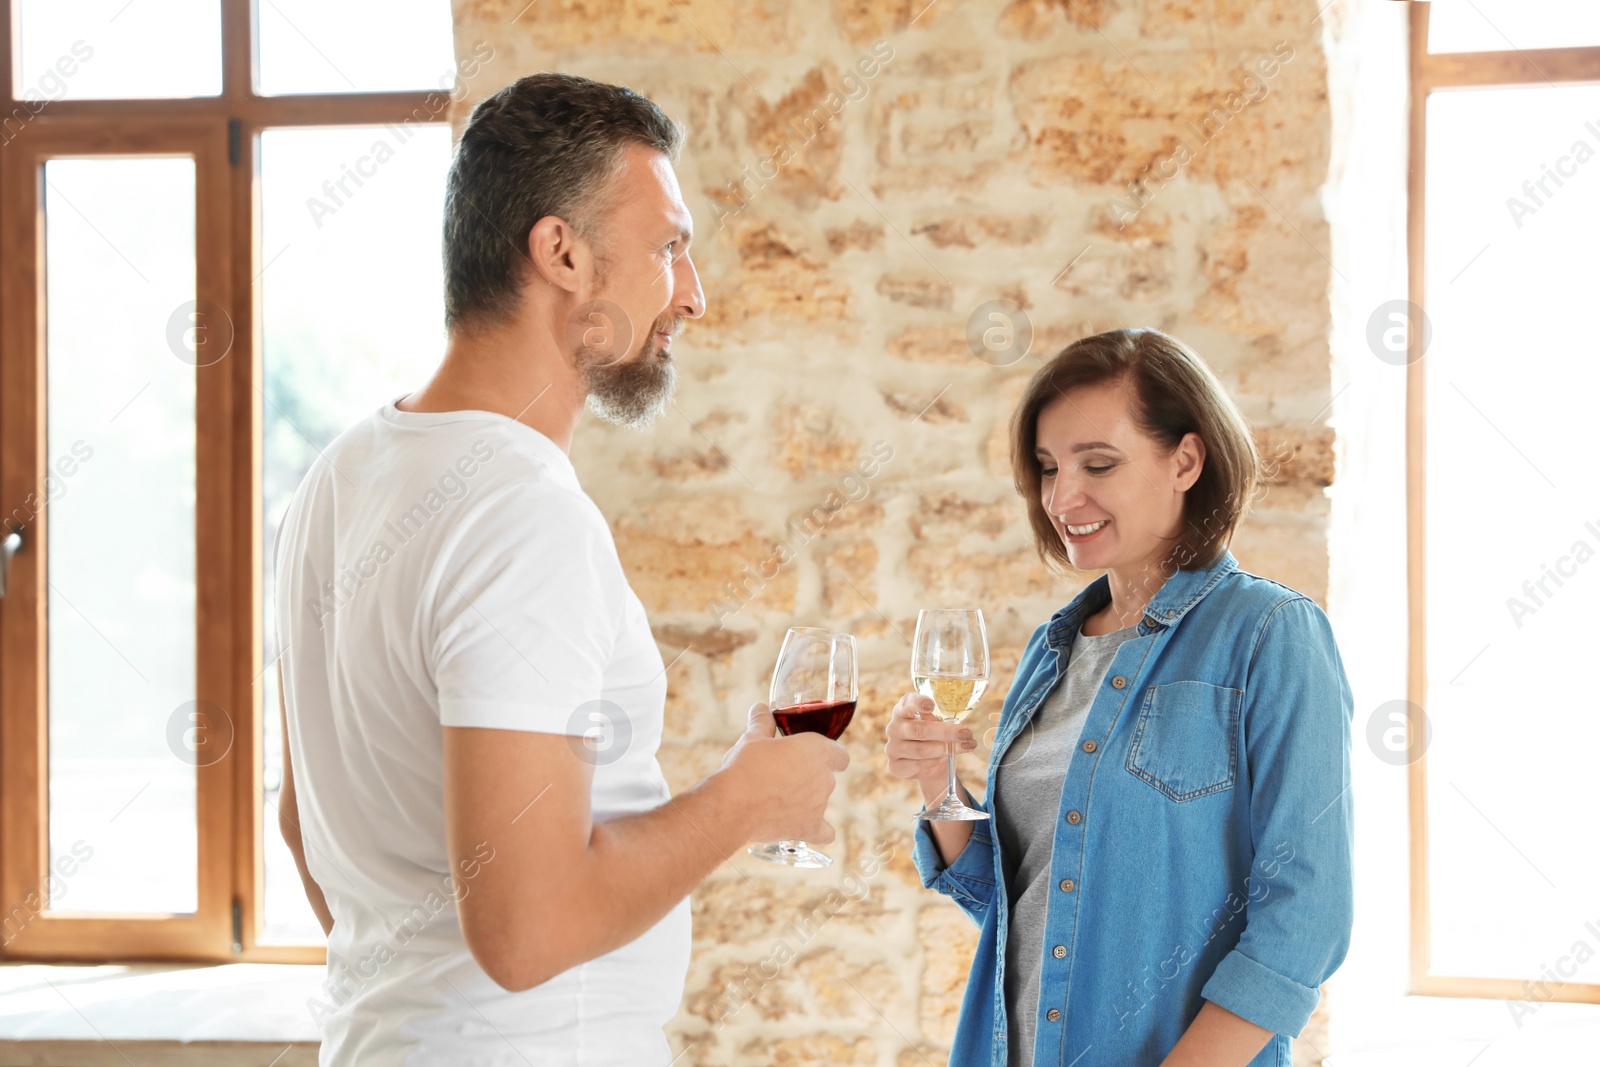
[
  {"x": 289, "y": 821},
  {"x": 543, "y": 887}
]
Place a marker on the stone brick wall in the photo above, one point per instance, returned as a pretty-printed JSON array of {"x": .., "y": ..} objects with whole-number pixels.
[{"x": 864, "y": 176}]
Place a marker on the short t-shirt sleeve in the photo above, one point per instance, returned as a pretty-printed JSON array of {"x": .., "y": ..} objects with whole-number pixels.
[{"x": 527, "y": 608}]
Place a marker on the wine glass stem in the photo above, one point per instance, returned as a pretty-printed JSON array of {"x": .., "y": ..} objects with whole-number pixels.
[{"x": 950, "y": 760}]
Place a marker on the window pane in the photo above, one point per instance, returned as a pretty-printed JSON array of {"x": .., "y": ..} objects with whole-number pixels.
[
  {"x": 338, "y": 46},
  {"x": 1505, "y": 25},
  {"x": 353, "y": 313},
  {"x": 119, "y": 248},
  {"x": 1513, "y": 527},
  {"x": 100, "y": 49}
]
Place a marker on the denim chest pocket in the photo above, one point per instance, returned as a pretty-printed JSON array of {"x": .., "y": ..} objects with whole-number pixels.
[{"x": 1186, "y": 740}]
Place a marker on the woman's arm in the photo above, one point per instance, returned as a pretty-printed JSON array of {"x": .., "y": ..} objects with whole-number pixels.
[
  {"x": 951, "y": 835},
  {"x": 1217, "y": 1038},
  {"x": 1296, "y": 759},
  {"x": 955, "y": 858}
]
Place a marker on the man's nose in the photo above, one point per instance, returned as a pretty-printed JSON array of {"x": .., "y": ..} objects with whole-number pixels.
[{"x": 688, "y": 298}]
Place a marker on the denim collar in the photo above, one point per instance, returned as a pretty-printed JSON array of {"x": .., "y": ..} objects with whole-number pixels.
[{"x": 1180, "y": 592}]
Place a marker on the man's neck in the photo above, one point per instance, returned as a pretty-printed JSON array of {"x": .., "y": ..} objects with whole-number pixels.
[{"x": 512, "y": 371}]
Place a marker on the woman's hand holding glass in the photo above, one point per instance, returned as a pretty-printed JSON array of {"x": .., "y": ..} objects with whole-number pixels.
[
  {"x": 950, "y": 666},
  {"x": 919, "y": 744}
]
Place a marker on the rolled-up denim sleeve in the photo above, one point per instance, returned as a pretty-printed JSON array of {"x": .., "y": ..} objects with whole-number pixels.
[
  {"x": 1297, "y": 713},
  {"x": 969, "y": 881}
]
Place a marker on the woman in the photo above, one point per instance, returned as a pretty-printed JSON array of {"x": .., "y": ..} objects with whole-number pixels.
[{"x": 1166, "y": 875}]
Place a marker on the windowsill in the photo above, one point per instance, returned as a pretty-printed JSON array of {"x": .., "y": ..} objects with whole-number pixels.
[
  {"x": 158, "y": 1003},
  {"x": 1452, "y": 1031},
  {"x": 145, "y": 1006}
]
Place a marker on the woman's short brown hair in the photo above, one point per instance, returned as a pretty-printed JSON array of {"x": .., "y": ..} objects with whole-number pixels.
[{"x": 1175, "y": 393}]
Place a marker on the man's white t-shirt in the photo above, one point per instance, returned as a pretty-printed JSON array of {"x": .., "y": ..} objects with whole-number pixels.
[{"x": 446, "y": 569}]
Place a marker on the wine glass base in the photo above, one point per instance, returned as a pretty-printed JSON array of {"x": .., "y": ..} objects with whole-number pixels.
[
  {"x": 951, "y": 810},
  {"x": 791, "y": 854}
]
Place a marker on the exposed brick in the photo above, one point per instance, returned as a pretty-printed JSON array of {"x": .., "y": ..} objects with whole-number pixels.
[
  {"x": 821, "y": 1050},
  {"x": 847, "y": 577},
  {"x": 799, "y": 137},
  {"x": 775, "y": 284},
  {"x": 970, "y": 231},
  {"x": 811, "y": 440},
  {"x": 996, "y": 145},
  {"x": 1039, "y": 19},
  {"x": 680, "y": 555},
  {"x": 653, "y": 27},
  {"x": 950, "y": 515},
  {"x": 918, "y": 288},
  {"x": 948, "y": 940},
  {"x": 859, "y": 235},
  {"x": 942, "y": 408}
]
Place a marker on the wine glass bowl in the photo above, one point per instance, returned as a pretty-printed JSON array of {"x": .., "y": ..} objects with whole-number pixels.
[
  {"x": 953, "y": 695},
  {"x": 813, "y": 691},
  {"x": 950, "y": 666},
  {"x": 825, "y": 717}
]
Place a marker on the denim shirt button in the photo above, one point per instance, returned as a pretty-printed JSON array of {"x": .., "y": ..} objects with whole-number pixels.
[
  {"x": 1067, "y": 885},
  {"x": 1059, "y": 952},
  {"x": 1118, "y": 682},
  {"x": 1089, "y": 746},
  {"x": 1074, "y": 818},
  {"x": 1053, "y": 1015}
]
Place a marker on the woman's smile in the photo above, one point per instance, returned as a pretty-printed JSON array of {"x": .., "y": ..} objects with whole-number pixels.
[{"x": 1077, "y": 535}]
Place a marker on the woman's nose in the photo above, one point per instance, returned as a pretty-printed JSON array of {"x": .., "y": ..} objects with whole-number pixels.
[{"x": 1063, "y": 497}]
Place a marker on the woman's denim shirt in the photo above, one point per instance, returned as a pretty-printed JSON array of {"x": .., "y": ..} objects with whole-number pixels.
[{"x": 1203, "y": 842}]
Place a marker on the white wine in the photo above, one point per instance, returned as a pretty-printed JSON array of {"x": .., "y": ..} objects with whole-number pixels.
[
  {"x": 950, "y": 668},
  {"x": 952, "y": 694}
]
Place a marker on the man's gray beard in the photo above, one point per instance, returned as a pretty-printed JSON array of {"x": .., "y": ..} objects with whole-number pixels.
[{"x": 631, "y": 394}]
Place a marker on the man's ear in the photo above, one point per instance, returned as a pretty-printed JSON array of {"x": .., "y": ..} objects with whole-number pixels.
[{"x": 557, "y": 253}]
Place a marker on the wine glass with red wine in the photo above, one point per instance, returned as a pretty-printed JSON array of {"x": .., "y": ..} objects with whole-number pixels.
[{"x": 813, "y": 691}]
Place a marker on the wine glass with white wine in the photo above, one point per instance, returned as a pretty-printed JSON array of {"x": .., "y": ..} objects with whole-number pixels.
[{"x": 950, "y": 666}]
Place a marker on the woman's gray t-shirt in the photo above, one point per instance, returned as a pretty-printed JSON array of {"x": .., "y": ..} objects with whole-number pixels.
[{"x": 1028, "y": 786}]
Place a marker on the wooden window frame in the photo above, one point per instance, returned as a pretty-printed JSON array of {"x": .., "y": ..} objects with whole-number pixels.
[
  {"x": 222, "y": 134},
  {"x": 1432, "y": 72}
]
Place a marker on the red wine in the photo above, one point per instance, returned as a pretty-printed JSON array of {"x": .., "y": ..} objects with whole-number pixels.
[{"x": 828, "y": 718}]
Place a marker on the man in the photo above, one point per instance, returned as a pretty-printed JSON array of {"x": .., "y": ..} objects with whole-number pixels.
[{"x": 473, "y": 699}]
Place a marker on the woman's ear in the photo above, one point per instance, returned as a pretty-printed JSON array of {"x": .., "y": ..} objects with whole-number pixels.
[{"x": 1189, "y": 460}]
